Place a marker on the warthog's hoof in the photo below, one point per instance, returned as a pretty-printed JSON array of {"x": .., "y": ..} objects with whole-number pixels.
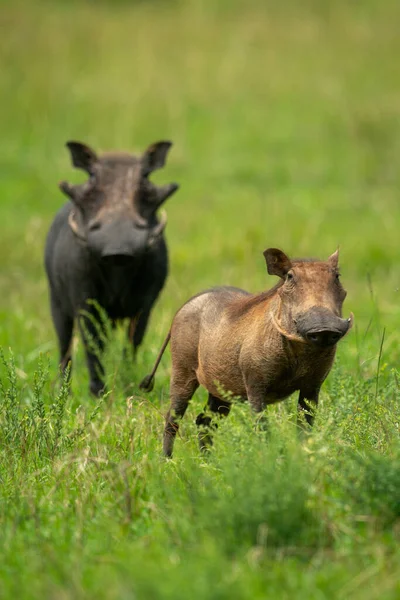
[
  {"x": 203, "y": 420},
  {"x": 97, "y": 388}
]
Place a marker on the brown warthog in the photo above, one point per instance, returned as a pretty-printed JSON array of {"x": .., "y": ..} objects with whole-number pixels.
[{"x": 261, "y": 347}]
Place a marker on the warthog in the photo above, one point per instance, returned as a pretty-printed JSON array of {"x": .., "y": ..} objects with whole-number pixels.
[
  {"x": 259, "y": 347},
  {"x": 107, "y": 245}
]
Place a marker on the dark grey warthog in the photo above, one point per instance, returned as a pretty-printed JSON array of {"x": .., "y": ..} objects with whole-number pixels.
[
  {"x": 107, "y": 245},
  {"x": 260, "y": 347}
]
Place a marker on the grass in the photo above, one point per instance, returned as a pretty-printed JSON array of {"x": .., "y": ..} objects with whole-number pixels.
[{"x": 286, "y": 129}]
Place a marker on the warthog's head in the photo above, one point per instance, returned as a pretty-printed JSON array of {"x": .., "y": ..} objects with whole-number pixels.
[
  {"x": 311, "y": 298},
  {"x": 114, "y": 211}
]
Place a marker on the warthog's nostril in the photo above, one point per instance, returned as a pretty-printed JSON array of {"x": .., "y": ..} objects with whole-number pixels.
[
  {"x": 313, "y": 337},
  {"x": 117, "y": 260},
  {"x": 335, "y": 337},
  {"x": 324, "y": 338}
]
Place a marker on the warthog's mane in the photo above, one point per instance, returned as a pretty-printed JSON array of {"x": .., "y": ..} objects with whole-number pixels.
[
  {"x": 242, "y": 305},
  {"x": 118, "y": 158}
]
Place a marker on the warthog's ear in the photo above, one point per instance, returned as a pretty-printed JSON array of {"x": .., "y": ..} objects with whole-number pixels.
[
  {"x": 155, "y": 156},
  {"x": 164, "y": 192},
  {"x": 277, "y": 262},
  {"x": 68, "y": 189},
  {"x": 333, "y": 260},
  {"x": 82, "y": 156}
]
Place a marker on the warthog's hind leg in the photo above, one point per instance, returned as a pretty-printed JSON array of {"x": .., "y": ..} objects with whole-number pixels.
[
  {"x": 180, "y": 397},
  {"x": 205, "y": 421}
]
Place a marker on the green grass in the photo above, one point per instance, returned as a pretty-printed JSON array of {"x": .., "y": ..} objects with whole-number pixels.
[{"x": 285, "y": 123}]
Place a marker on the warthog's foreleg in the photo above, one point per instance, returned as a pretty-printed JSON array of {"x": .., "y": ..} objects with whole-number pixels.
[
  {"x": 92, "y": 331},
  {"x": 257, "y": 399},
  {"x": 205, "y": 421},
  {"x": 256, "y": 394},
  {"x": 64, "y": 325},
  {"x": 138, "y": 327},
  {"x": 306, "y": 407}
]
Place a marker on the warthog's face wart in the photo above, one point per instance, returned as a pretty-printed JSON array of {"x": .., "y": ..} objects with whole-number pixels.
[
  {"x": 115, "y": 210},
  {"x": 311, "y": 297}
]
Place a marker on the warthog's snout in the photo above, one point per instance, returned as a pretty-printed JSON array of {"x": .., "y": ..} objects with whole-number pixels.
[
  {"x": 321, "y": 327},
  {"x": 117, "y": 260},
  {"x": 118, "y": 241}
]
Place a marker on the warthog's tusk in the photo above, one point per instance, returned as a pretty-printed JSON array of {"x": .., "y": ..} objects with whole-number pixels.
[
  {"x": 350, "y": 321},
  {"x": 290, "y": 336},
  {"x": 74, "y": 226},
  {"x": 158, "y": 229},
  {"x": 140, "y": 222}
]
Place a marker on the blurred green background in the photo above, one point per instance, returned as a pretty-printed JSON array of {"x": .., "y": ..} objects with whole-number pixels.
[{"x": 285, "y": 121}]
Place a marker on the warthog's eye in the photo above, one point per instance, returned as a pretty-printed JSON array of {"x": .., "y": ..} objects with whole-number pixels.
[
  {"x": 337, "y": 276},
  {"x": 94, "y": 226},
  {"x": 289, "y": 277}
]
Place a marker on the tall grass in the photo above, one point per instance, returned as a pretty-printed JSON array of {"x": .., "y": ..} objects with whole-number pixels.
[{"x": 89, "y": 507}]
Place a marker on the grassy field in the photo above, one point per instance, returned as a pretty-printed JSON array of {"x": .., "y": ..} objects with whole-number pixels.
[{"x": 285, "y": 118}]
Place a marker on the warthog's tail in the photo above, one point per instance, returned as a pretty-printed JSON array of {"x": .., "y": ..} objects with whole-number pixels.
[{"x": 147, "y": 383}]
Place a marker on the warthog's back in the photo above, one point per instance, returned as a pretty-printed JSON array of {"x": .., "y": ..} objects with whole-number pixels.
[{"x": 205, "y": 309}]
